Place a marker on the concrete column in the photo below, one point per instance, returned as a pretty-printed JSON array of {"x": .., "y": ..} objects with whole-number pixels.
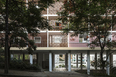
[
  {"x": 88, "y": 62},
  {"x": 31, "y": 59},
  {"x": 111, "y": 60},
  {"x": 95, "y": 61},
  {"x": 68, "y": 36},
  {"x": 50, "y": 62},
  {"x": 43, "y": 60},
  {"x": 43, "y": 57},
  {"x": 108, "y": 65},
  {"x": 69, "y": 61},
  {"x": 23, "y": 57},
  {"x": 77, "y": 61},
  {"x": 47, "y": 38},
  {"x": 66, "y": 61},
  {"x": 37, "y": 58},
  {"x": 81, "y": 61},
  {"x": 40, "y": 59},
  {"x": 12, "y": 57},
  {"x": 53, "y": 62}
]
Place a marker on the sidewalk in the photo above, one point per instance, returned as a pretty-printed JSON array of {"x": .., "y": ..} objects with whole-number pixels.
[{"x": 15, "y": 73}]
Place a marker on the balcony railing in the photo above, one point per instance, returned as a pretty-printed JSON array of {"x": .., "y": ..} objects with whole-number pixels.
[{"x": 58, "y": 45}]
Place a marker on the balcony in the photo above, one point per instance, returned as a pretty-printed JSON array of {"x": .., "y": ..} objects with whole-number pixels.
[
  {"x": 58, "y": 40},
  {"x": 58, "y": 45}
]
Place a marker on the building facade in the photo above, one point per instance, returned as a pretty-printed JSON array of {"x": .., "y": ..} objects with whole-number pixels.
[{"x": 58, "y": 50}]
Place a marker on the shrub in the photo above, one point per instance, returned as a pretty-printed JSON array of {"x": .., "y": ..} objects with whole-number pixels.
[
  {"x": 63, "y": 65},
  {"x": 60, "y": 66},
  {"x": 71, "y": 65},
  {"x": 20, "y": 65},
  {"x": 83, "y": 66},
  {"x": 113, "y": 70},
  {"x": 1, "y": 59},
  {"x": 1, "y": 62},
  {"x": 56, "y": 66}
]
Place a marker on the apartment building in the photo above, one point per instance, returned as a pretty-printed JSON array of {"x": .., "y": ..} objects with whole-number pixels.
[{"x": 54, "y": 47}]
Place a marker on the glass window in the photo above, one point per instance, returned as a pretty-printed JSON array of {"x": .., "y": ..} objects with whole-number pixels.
[
  {"x": 37, "y": 39},
  {"x": 57, "y": 39},
  {"x": 83, "y": 38},
  {"x": 57, "y": 23}
]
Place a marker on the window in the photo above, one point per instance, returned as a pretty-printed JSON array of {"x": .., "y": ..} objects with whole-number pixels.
[
  {"x": 37, "y": 39},
  {"x": 58, "y": 24},
  {"x": 17, "y": 39},
  {"x": 57, "y": 39},
  {"x": 108, "y": 38},
  {"x": 83, "y": 38}
]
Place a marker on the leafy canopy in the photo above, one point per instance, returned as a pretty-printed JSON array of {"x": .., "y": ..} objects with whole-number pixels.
[
  {"x": 24, "y": 18},
  {"x": 94, "y": 17}
]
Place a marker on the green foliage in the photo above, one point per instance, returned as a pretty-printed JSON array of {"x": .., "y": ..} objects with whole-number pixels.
[
  {"x": 113, "y": 70},
  {"x": 1, "y": 60},
  {"x": 71, "y": 65},
  {"x": 100, "y": 74},
  {"x": 23, "y": 20},
  {"x": 1, "y": 49},
  {"x": 30, "y": 50},
  {"x": 95, "y": 17},
  {"x": 63, "y": 65},
  {"x": 20, "y": 65},
  {"x": 56, "y": 66},
  {"x": 83, "y": 66},
  {"x": 31, "y": 47},
  {"x": 60, "y": 66},
  {"x": 99, "y": 63}
]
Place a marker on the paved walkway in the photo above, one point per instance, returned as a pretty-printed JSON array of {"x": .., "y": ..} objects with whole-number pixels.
[{"x": 15, "y": 73}]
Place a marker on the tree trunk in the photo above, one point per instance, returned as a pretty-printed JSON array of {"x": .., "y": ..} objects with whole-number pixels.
[
  {"x": 101, "y": 59},
  {"x": 6, "y": 39},
  {"x": 9, "y": 57}
]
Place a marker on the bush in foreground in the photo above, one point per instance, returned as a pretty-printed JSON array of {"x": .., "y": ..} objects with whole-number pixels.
[{"x": 20, "y": 65}]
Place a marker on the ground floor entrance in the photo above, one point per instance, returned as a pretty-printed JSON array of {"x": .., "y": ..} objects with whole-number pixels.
[{"x": 66, "y": 59}]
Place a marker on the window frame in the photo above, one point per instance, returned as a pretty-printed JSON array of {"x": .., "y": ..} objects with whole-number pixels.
[
  {"x": 83, "y": 40},
  {"x": 37, "y": 37},
  {"x": 57, "y": 39},
  {"x": 59, "y": 22}
]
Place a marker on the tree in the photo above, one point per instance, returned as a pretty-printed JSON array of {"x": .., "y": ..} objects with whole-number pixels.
[
  {"x": 94, "y": 17},
  {"x": 23, "y": 19}
]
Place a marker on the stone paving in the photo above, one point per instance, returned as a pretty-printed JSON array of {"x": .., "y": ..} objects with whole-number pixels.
[{"x": 15, "y": 73}]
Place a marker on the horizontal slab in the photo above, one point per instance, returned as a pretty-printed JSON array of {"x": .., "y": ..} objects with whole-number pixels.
[{"x": 60, "y": 48}]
